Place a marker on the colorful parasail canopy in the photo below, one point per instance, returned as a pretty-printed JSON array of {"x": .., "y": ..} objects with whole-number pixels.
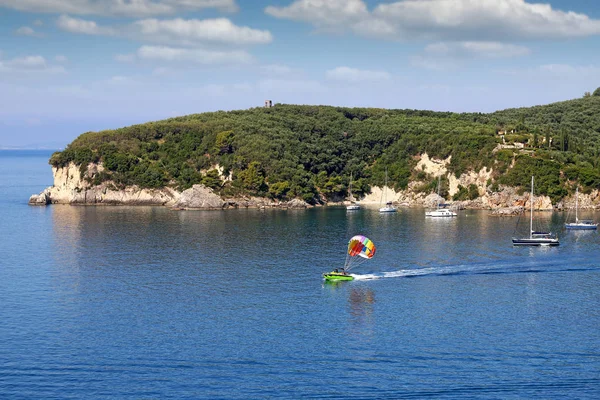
[{"x": 361, "y": 246}]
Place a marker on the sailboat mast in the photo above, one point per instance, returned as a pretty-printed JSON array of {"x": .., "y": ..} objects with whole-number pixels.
[
  {"x": 531, "y": 213},
  {"x": 350, "y": 187},
  {"x": 439, "y": 184},
  {"x": 383, "y": 191},
  {"x": 576, "y": 203}
]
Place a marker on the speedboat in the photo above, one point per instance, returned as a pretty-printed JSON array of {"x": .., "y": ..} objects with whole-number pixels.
[{"x": 337, "y": 275}]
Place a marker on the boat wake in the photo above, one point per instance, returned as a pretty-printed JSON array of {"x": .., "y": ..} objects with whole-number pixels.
[
  {"x": 407, "y": 273},
  {"x": 473, "y": 270}
]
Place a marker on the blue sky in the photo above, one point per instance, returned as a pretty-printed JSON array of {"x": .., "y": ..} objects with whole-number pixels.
[{"x": 71, "y": 66}]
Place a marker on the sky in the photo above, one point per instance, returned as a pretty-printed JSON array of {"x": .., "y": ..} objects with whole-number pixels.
[{"x": 72, "y": 66}]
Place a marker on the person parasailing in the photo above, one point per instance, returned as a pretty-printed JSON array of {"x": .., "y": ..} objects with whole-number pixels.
[{"x": 360, "y": 249}]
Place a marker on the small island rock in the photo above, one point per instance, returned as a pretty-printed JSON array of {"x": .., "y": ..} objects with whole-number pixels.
[{"x": 41, "y": 199}]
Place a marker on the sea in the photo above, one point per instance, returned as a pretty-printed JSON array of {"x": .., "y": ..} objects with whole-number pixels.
[{"x": 114, "y": 302}]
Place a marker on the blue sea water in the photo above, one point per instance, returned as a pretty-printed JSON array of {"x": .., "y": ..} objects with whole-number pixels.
[{"x": 148, "y": 303}]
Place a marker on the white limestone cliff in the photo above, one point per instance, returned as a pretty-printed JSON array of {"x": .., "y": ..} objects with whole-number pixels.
[{"x": 73, "y": 187}]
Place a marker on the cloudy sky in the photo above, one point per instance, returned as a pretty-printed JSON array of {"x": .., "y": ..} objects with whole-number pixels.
[{"x": 70, "y": 66}]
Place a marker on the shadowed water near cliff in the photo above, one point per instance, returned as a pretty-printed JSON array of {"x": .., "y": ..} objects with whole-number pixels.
[{"x": 145, "y": 302}]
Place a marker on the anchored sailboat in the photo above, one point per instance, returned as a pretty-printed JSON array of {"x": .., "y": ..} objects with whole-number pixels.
[
  {"x": 353, "y": 204},
  {"x": 440, "y": 212},
  {"x": 584, "y": 224},
  {"x": 389, "y": 208},
  {"x": 535, "y": 238}
]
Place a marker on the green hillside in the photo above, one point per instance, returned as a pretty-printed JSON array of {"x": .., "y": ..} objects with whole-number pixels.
[{"x": 309, "y": 152}]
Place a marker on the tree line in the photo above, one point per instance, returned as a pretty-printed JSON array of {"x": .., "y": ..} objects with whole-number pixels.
[{"x": 309, "y": 152}]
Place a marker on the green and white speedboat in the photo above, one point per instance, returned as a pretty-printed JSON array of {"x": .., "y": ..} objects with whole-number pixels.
[{"x": 337, "y": 276}]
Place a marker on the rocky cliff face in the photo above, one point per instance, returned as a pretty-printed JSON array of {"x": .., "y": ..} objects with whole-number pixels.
[
  {"x": 505, "y": 198},
  {"x": 70, "y": 187}
]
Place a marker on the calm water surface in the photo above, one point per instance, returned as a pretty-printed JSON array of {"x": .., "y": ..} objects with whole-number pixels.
[{"x": 147, "y": 303}]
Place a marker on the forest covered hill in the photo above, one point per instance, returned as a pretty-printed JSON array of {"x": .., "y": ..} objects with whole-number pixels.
[{"x": 309, "y": 152}]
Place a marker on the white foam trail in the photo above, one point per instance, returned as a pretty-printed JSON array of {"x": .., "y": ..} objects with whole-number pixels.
[
  {"x": 366, "y": 276},
  {"x": 423, "y": 271}
]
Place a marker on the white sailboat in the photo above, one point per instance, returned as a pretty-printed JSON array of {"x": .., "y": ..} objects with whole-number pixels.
[
  {"x": 535, "y": 238},
  {"x": 584, "y": 224},
  {"x": 389, "y": 208},
  {"x": 439, "y": 211},
  {"x": 353, "y": 204}
]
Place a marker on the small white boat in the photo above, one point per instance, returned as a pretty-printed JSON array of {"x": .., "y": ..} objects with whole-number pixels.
[
  {"x": 440, "y": 212},
  {"x": 583, "y": 224},
  {"x": 353, "y": 204},
  {"x": 389, "y": 207},
  {"x": 353, "y": 207}
]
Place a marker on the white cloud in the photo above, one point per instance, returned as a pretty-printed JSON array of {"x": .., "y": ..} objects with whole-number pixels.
[
  {"x": 78, "y": 25},
  {"x": 223, "y": 5},
  {"x": 476, "y": 49},
  {"x": 38, "y": 22},
  {"x": 277, "y": 69},
  {"x": 347, "y": 74},
  {"x": 126, "y": 8},
  {"x": 25, "y": 31},
  {"x": 554, "y": 71},
  {"x": 433, "y": 63},
  {"x": 449, "y": 55},
  {"x": 161, "y": 71},
  {"x": 120, "y": 80},
  {"x": 178, "y": 32},
  {"x": 570, "y": 70},
  {"x": 29, "y": 64},
  {"x": 324, "y": 14},
  {"x": 456, "y": 20},
  {"x": 125, "y": 58},
  {"x": 61, "y": 59},
  {"x": 192, "y": 31},
  {"x": 271, "y": 87},
  {"x": 197, "y": 56}
]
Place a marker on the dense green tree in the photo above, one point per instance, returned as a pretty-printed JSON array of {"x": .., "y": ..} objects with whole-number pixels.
[{"x": 211, "y": 179}]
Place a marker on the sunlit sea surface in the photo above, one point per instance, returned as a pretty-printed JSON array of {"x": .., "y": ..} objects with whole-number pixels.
[{"x": 148, "y": 303}]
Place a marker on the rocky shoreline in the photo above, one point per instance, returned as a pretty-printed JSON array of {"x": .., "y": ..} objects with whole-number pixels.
[
  {"x": 198, "y": 197},
  {"x": 73, "y": 187}
]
